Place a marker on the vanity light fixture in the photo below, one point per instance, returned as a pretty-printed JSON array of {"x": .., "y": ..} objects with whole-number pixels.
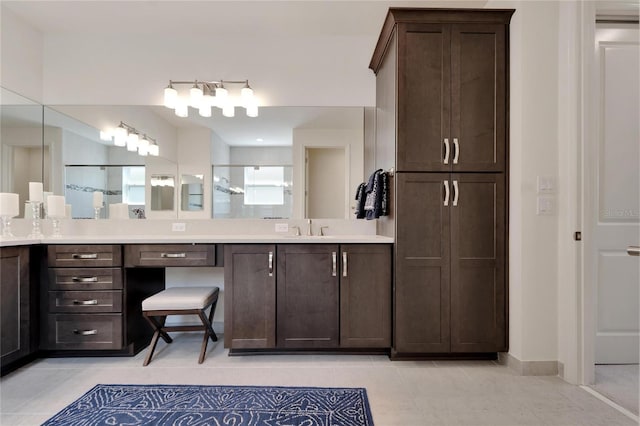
[
  {"x": 203, "y": 95},
  {"x": 128, "y": 136}
]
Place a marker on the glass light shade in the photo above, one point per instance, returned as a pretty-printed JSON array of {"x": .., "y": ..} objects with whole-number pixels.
[
  {"x": 105, "y": 135},
  {"x": 154, "y": 150},
  {"x": 252, "y": 110},
  {"x": 144, "y": 142},
  {"x": 205, "y": 110},
  {"x": 228, "y": 110},
  {"x": 195, "y": 97},
  {"x": 170, "y": 97},
  {"x": 120, "y": 136},
  {"x": 247, "y": 95},
  {"x": 182, "y": 110},
  {"x": 132, "y": 142},
  {"x": 143, "y": 150},
  {"x": 221, "y": 95}
]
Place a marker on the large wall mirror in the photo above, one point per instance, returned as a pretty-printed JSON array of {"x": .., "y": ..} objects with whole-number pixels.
[
  {"x": 22, "y": 152},
  {"x": 220, "y": 167}
]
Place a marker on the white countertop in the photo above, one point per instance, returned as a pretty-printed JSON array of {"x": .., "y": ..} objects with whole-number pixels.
[
  {"x": 181, "y": 239},
  {"x": 108, "y": 231}
]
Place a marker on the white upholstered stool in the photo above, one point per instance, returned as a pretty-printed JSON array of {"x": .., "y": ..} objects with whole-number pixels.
[{"x": 180, "y": 301}]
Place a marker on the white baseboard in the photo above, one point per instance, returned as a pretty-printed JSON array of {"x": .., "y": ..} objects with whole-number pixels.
[{"x": 530, "y": 368}]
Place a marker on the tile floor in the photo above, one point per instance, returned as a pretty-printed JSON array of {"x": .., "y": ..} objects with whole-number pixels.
[
  {"x": 407, "y": 393},
  {"x": 620, "y": 383}
]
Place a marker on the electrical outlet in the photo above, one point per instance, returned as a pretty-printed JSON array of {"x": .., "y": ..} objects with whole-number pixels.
[
  {"x": 178, "y": 227},
  {"x": 282, "y": 227},
  {"x": 546, "y": 185}
]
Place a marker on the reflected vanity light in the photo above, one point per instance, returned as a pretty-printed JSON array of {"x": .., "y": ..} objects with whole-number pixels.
[
  {"x": 206, "y": 94},
  {"x": 128, "y": 136}
]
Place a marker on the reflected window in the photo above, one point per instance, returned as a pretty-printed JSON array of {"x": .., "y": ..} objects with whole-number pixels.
[
  {"x": 248, "y": 191},
  {"x": 133, "y": 185},
  {"x": 264, "y": 185}
]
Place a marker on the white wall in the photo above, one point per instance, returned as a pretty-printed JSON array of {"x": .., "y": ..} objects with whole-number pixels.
[
  {"x": 350, "y": 139},
  {"x": 533, "y": 239},
  {"x": 271, "y": 63},
  {"x": 21, "y": 68},
  {"x": 261, "y": 156}
]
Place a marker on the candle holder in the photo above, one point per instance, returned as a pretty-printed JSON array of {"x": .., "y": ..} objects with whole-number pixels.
[
  {"x": 55, "y": 222},
  {"x": 6, "y": 227},
  {"x": 96, "y": 212},
  {"x": 35, "y": 223}
]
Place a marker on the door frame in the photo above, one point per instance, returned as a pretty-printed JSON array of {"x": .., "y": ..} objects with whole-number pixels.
[{"x": 586, "y": 107}]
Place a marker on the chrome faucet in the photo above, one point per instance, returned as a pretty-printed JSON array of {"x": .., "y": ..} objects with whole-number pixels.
[
  {"x": 309, "y": 232},
  {"x": 297, "y": 229}
]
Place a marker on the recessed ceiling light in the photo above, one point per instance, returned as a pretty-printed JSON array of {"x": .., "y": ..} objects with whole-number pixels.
[{"x": 259, "y": 140}]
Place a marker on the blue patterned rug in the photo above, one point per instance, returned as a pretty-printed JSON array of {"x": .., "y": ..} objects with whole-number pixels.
[{"x": 217, "y": 405}]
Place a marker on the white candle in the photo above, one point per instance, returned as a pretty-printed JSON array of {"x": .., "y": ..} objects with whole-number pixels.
[
  {"x": 56, "y": 207},
  {"x": 35, "y": 191},
  {"x": 97, "y": 199},
  {"x": 9, "y": 204}
]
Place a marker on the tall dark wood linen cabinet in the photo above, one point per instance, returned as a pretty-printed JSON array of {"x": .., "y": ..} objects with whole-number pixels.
[{"x": 442, "y": 123}]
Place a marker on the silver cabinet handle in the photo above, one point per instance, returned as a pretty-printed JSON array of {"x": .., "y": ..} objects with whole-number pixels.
[
  {"x": 174, "y": 255},
  {"x": 84, "y": 256},
  {"x": 85, "y": 302},
  {"x": 334, "y": 271},
  {"x": 446, "y": 150},
  {"x": 84, "y": 279},
  {"x": 270, "y": 263},
  {"x": 344, "y": 263},
  {"x": 455, "y": 193},
  {"x": 633, "y": 251},
  {"x": 85, "y": 332},
  {"x": 446, "y": 193},
  {"x": 456, "y": 148}
]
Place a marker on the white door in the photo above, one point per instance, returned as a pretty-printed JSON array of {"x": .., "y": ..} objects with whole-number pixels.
[
  {"x": 617, "y": 195},
  {"x": 325, "y": 183}
]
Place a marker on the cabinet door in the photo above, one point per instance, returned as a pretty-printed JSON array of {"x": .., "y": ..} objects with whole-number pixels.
[
  {"x": 423, "y": 97},
  {"x": 478, "y": 245},
  {"x": 14, "y": 304},
  {"x": 478, "y": 97},
  {"x": 308, "y": 302},
  {"x": 422, "y": 263},
  {"x": 250, "y": 296},
  {"x": 365, "y": 295}
]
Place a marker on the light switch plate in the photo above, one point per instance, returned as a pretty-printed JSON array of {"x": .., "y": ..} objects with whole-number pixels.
[
  {"x": 546, "y": 185},
  {"x": 178, "y": 227},
  {"x": 545, "y": 206},
  {"x": 282, "y": 227}
]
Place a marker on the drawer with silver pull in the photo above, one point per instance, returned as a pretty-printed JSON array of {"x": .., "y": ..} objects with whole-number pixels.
[
  {"x": 85, "y": 255},
  {"x": 162, "y": 255},
  {"x": 85, "y": 278},
  {"x": 85, "y": 301},
  {"x": 80, "y": 332}
]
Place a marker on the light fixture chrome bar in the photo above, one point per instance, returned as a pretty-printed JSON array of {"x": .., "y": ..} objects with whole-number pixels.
[{"x": 204, "y": 95}]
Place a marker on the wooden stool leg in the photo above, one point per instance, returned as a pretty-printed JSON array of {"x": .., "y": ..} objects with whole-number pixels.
[
  {"x": 214, "y": 337},
  {"x": 207, "y": 331},
  {"x": 157, "y": 325}
]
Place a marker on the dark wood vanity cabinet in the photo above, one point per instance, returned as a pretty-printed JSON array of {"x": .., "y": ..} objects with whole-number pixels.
[
  {"x": 83, "y": 299},
  {"x": 450, "y": 263},
  {"x": 250, "y": 296},
  {"x": 442, "y": 122},
  {"x": 365, "y": 295},
  {"x": 450, "y": 71},
  {"x": 307, "y": 296},
  {"x": 16, "y": 308}
]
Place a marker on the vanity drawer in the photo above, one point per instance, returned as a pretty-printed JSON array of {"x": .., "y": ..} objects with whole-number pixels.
[
  {"x": 85, "y": 301},
  {"x": 78, "y": 331},
  {"x": 85, "y": 278},
  {"x": 170, "y": 255},
  {"x": 85, "y": 255}
]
